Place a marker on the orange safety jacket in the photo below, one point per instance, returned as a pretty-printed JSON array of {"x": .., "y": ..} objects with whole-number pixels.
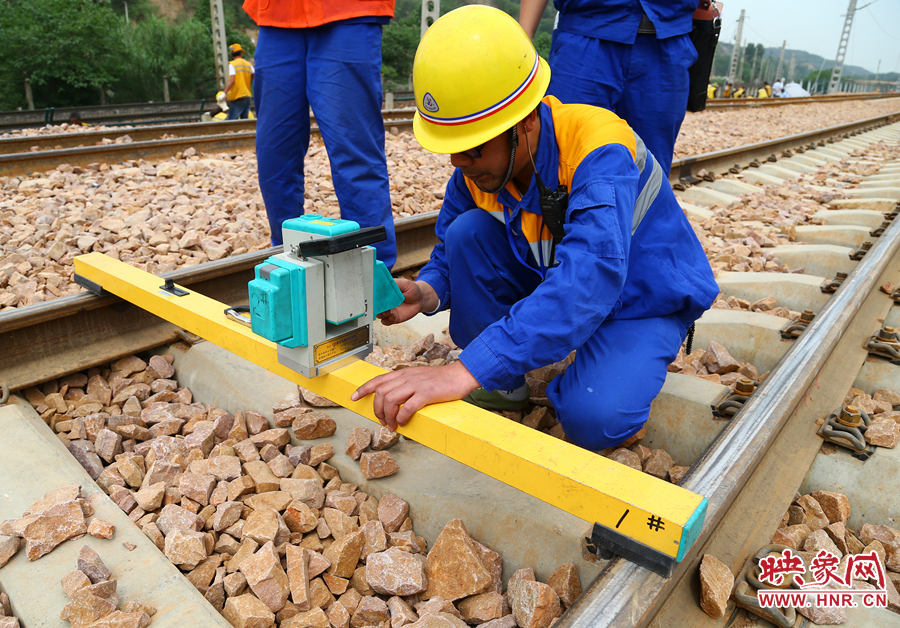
[
  {"x": 243, "y": 78},
  {"x": 311, "y": 13}
]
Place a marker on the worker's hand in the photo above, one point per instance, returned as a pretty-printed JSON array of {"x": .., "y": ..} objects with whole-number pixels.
[
  {"x": 400, "y": 394},
  {"x": 418, "y": 296}
]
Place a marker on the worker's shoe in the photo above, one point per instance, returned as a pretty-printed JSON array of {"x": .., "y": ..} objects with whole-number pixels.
[{"x": 500, "y": 399}]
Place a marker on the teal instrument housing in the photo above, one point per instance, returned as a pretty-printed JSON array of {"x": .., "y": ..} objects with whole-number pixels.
[
  {"x": 319, "y": 225},
  {"x": 279, "y": 308},
  {"x": 387, "y": 293},
  {"x": 278, "y": 303}
]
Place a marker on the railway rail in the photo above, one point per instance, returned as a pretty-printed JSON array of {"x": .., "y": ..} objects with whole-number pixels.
[
  {"x": 749, "y": 467},
  {"x": 398, "y": 117},
  {"x": 139, "y": 113}
]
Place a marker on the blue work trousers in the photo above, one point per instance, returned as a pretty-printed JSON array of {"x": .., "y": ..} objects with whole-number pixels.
[
  {"x": 239, "y": 109},
  {"x": 336, "y": 70},
  {"x": 645, "y": 83},
  {"x": 604, "y": 397}
]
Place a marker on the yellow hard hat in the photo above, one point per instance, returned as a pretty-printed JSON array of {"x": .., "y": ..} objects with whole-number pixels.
[
  {"x": 233, "y": 48},
  {"x": 476, "y": 74}
]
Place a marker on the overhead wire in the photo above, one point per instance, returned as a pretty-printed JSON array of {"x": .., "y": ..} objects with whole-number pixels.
[{"x": 879, "y": 24}]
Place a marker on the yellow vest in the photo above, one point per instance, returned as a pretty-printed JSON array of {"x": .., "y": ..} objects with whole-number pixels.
[
  {"x": 763, "y": 93},
  {"x": 711, "y": 91},
  {"x": 243, "y": 78}
]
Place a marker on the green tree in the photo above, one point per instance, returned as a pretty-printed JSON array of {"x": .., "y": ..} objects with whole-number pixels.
[
  {"x": 137, "y": 9},
  {"x": 542, "y": 41},
  {"x": 399, "y": 40},
  {"x": 66, "y": 48},
  {"x": 180, "y": 52}
]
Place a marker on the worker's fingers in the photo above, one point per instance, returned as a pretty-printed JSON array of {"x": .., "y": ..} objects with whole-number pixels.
[
  {"x": 412, "y": 405},
  {"x": 409, "y": 289},
  {"x": 400, "y": 313},
  {"x": 392, "y": 402},
  {"x": 388, "y": 318},
  {"x": 372, "y": 385},
  {"x": 378, "y": 407}
]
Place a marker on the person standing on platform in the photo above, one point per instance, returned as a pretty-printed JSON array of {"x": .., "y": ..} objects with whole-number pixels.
[
  {"x": 238, "y": 88},
  {"x": 324, "y": 55},
  {"x": 629, "y": 56}
]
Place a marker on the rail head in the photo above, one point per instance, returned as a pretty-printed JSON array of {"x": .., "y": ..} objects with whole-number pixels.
[
  {"x": 687, "y": 167},
  {"x": 624, "y": 594}
]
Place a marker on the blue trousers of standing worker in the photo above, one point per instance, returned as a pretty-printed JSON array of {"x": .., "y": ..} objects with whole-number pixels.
[
  {"x": 336, "y": 70},
  {"x": 604, "y": 397},
  {"x": 645, "y": 83},
  {"x": 239, "y": 109}
]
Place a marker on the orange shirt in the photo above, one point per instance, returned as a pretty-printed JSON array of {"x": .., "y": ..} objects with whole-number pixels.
[{"x": 311, "y": 13}]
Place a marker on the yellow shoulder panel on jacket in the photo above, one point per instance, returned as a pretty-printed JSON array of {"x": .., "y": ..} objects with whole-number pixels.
[
  {"x": 484, "y": 200},
  {"x": 581, "y": 129}
]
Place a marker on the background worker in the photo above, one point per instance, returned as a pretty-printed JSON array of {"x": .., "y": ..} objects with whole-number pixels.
[
  {"x": 240, "y": 80},
  {"x": 710, "y": 91},
  {"x": 622, "y": 286},
  {"x": 778, "y": 87},
  {"x": 629, "y": 56},
  {"x": 75, "y": 119},
  {"x": 738, "y": 93},
  {"x": 324, "y": 54},
  {"x": 765, "y": 91}
]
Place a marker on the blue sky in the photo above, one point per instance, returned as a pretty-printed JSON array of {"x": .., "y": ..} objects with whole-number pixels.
[{"x": 815, "y": 26}]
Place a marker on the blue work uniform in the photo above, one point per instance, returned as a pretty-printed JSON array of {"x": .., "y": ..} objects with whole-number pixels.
[
  {"x": 630, "y": 276},
  {"x": 335, "y": 68},
  {"x": 598, "y": 58}
]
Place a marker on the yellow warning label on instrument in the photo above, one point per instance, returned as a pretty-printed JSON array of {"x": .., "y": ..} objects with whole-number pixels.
[
  {"x": 321, "y": 222},
  {"x": 336, "y": 347}
]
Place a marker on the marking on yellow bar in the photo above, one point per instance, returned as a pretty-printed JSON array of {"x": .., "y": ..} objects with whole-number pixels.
[
  {"x": 591, "y": 487},
  {"x": 344, "y": 343}
]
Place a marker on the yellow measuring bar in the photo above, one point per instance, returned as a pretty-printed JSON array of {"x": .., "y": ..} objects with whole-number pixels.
[{"x": 637, "y": 516}]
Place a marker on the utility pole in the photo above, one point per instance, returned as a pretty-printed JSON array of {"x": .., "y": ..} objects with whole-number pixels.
[
  {"x": 431, "y": 10},
  {"x": 741, "y": 62},
  {"x": 753, "y": 67},
  {"x": 28, "y": 97},
  {"x": 793, "y": 66},
  {"x": 736, "y": 52},
  {"x": 780, "y": 60},
  {"x": 220, "y": 46},
  {"x": 819, "y": 75},
  {"x": 835, "y": 83},
  {"x": 877, "y": 72}
]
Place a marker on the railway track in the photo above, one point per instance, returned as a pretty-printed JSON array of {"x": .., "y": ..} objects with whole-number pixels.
[
  {"x": 17, "y": 153},
  {"x": 240, "y": 135},
  {"x": 157, "y": 143},
  {"x": 742, "y": 103},
  {"x": 163, "y": 111},
  {"x": 748, "y": 467}
]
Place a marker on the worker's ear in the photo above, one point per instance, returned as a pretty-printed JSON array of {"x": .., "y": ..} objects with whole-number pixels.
[{"x": 530, "y": 120}]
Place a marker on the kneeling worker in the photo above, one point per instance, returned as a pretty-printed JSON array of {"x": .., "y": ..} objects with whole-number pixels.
[{"x": 622, "y": 286}]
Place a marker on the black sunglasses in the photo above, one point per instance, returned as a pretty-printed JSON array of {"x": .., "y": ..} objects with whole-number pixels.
[{"x": 474, "y": 153}]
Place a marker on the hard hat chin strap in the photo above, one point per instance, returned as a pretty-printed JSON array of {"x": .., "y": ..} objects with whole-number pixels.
[{"x": 514, "y": 142}]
